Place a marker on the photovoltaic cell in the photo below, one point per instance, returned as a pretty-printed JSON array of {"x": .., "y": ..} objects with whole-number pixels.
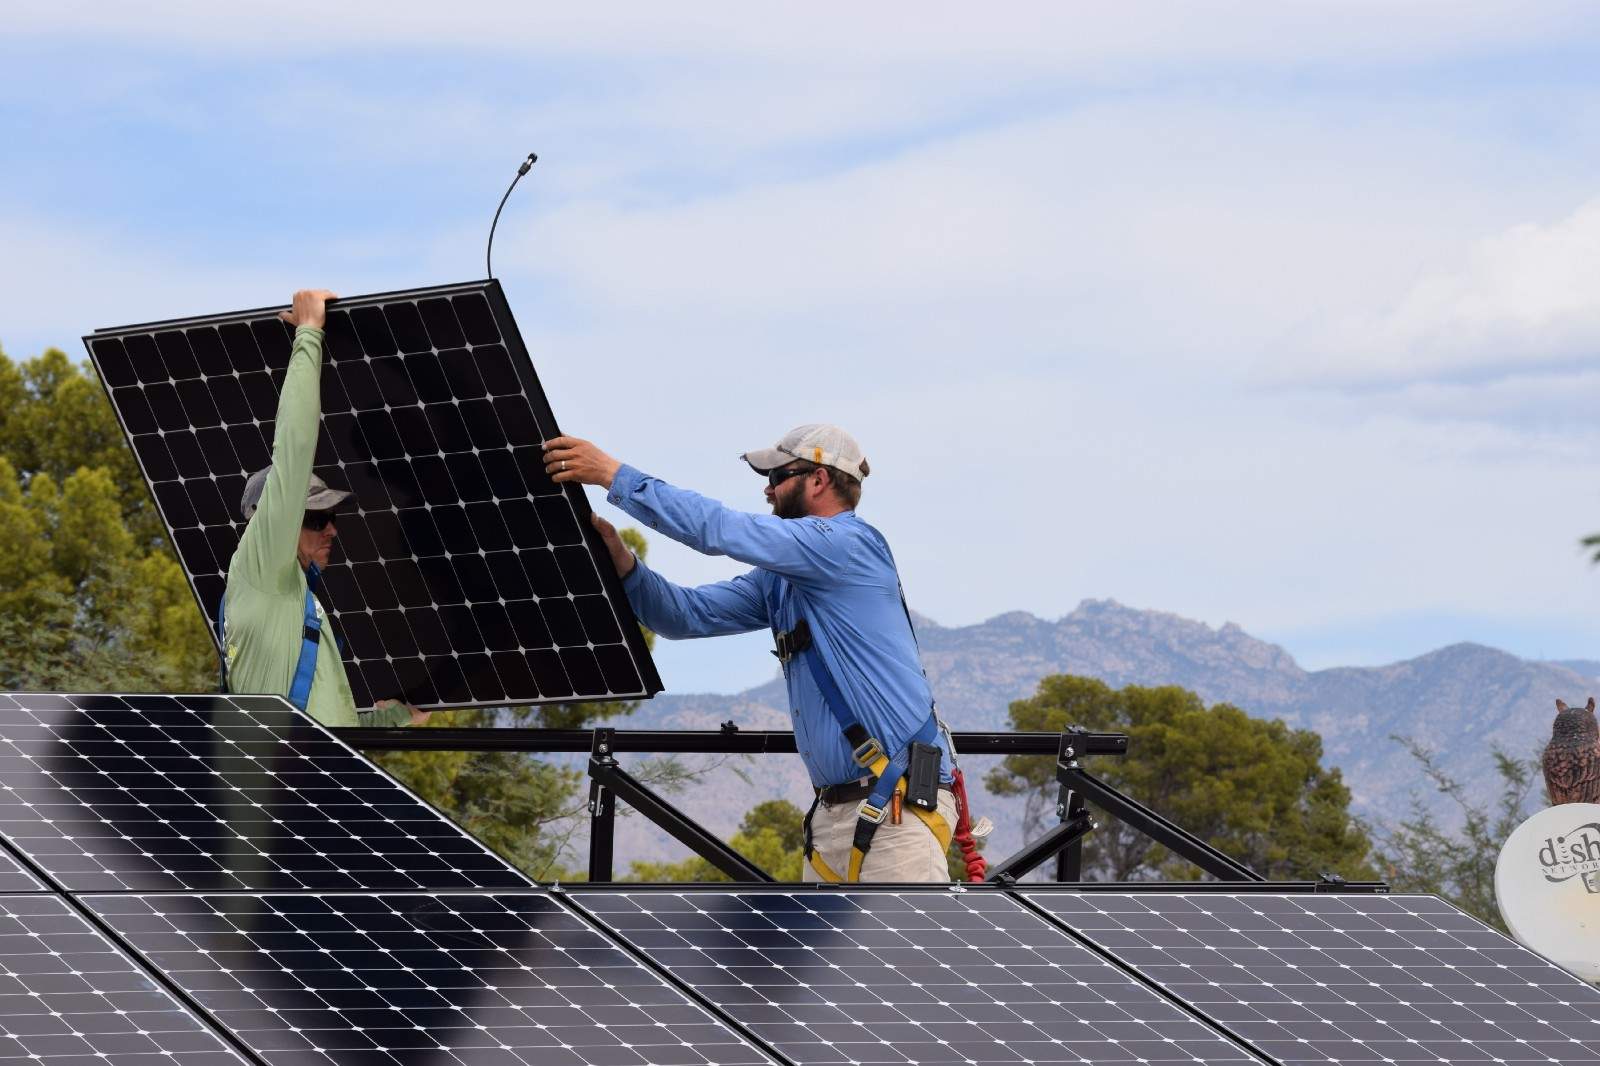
[
  {"x": 156, "y": 793},
  {"x": 13, "y": 878},
  {"x": 464, "y": 577},
  {"x": 68, "y": 997},
  {"x": 1315, "y": 979},
  {"x": 905, "y": 976},
  {"x": 419, "y": 980}
]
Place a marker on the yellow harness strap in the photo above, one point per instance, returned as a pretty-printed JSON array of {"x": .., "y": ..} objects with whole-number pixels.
[{"x": 932, "y": 819}]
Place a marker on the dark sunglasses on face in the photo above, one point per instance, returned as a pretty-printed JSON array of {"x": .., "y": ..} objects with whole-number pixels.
[
  {"x": 779, "y": 476},
  {"x": 317, "y": 521}
]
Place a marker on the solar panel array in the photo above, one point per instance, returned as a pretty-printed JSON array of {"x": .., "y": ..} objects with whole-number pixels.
[
  {"x": 420, "y": 979},
  {"x": 1316, "y": 979},
  {"x": 203, "y": 793},
  {"x": 464, "y": 576},
  {"x": 217, "y": 880},
  {"x": 69, "y": 997},
  {"x": 906, "y": 977}
]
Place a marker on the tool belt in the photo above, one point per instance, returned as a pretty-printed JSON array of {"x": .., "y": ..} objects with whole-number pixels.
[{"x": 849, "y": 792}]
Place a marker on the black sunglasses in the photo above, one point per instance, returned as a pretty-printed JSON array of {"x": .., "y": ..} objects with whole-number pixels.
[
  {"x": 779, "y": 476},
  {"x": 317, "y": 521}
]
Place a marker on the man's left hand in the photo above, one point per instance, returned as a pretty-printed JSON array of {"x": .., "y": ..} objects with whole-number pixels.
[
  {"x": 417, "y": 717},
  {"x": 572, "y": 459}
]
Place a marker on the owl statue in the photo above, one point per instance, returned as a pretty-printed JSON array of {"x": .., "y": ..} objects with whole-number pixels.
[{"x": 1572, "y": 760}]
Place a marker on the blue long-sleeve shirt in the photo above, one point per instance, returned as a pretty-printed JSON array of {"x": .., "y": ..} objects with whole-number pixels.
[{"x": 835, "y": 572}]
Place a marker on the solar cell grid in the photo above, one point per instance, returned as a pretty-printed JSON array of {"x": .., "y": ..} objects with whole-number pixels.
[
  {"x": 419, "y": 980},
  {"x": 905, "y": 977},
  {"x": 464, "y": 576},
  {"x": 151, "y": 793},
  {"x": 70, "y": 998},
  {"x": 1314, "y": 979}
]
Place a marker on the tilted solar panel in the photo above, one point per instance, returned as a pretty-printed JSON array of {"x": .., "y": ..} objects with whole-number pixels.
[
  {"x": 905, "y": 976},
  {"x": 13, "y": 878},
  {"x": 464, "y": 576},
  {"x": 1317, "y": 979},
  {"x": 69, "y": 997},
  {"x": 154, "y": 793},
  {"x": 419, "y": 980}
]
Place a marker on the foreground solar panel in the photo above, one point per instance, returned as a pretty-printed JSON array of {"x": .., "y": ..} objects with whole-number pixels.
[
  {"x": 1313, "y": 979},
  {"x": 13, "y": 878},
  {"x": 70, "y": 998},
  {"x": 460, "y": 980},
  {"x": 905, "y": 976},
  {"x": 154, "y": 793},
  {"x": 465, "y": 577}
]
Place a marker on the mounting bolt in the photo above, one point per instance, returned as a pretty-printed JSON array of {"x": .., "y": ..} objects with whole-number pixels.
[
  {"x": 605, "y": 749},
  {"x": 1061, "y": 810},
  {"x": 1070, "y": 752},
  {"x": 1094, "y": 825}
]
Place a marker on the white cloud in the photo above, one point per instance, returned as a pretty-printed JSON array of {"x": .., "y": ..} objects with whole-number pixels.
[{"x": 1525, "y": 299}]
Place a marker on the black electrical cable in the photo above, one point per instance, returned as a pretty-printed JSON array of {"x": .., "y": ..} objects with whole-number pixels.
[{"x": 527, "y": 164}]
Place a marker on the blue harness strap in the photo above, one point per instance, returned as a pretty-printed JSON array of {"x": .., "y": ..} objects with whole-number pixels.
[{"x": 305, "y": 668}]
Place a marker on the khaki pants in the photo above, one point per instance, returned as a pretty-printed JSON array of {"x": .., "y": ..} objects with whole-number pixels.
[{"x": 905, "y": 852}]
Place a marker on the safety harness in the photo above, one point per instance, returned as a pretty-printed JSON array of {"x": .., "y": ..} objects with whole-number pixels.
[
  {"x": 867, "y": 750},
  {"x": 888, "y": 772},
  {"x": 310, "y": 640}
]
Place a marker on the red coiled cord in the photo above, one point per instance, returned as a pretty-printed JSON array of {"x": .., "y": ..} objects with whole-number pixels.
[{"x": 976, "y": 863}]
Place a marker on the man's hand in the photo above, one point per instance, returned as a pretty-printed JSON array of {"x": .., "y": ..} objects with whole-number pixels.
[
  {"x": 417, "y": 717},
  {"x": 571, "y": 459},
  {"x": 621, "y": 557},
  {"x": 310, "y": 309}
]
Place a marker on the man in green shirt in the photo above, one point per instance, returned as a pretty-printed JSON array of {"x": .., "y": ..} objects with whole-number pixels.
[{"x": 288, "y": 536}]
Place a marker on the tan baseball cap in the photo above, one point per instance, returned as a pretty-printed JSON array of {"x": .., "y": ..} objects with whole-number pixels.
[
  {"x": 319, "y": 496},
  {"x": 815, "y": 442}
]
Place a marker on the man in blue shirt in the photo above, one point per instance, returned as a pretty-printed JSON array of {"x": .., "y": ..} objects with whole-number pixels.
[{"x": 825, "y": 583}]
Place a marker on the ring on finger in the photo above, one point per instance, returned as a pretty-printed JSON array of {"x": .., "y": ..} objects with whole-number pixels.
[{"x": 563, "y": 466}]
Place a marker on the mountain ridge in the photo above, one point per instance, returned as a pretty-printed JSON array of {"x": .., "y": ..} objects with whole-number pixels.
[{"x": 1461, "y": 701}]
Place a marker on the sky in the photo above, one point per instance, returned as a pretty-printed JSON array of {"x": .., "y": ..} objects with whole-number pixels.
[{"x": 1282, "y": 315}]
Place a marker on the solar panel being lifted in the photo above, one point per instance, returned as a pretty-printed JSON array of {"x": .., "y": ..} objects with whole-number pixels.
[
  {"x": 464, "y": 576},
  {"x": 152, "y": 793}
]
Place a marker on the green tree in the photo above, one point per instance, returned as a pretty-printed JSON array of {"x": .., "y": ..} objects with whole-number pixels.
[
  {"x": 1457, "y": 861},
  {"x": 91, "y": 596},
  {"x": 1253, "y": 788},
  {"x": 770, "y": 836}
]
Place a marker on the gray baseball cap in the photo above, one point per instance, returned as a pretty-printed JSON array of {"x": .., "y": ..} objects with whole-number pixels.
[
  {"x": 319, "y": 497},
  {"x": 815, "y": 442}
]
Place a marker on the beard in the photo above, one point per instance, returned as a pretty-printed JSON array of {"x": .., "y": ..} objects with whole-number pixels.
[{"x": 788, "y": 504}]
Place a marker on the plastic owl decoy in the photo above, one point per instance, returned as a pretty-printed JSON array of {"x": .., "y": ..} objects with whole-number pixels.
[{"x": 1572, "y": 759}]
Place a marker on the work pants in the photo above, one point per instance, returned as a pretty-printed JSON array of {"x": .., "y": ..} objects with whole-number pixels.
[{"x": 905, "y": 852}]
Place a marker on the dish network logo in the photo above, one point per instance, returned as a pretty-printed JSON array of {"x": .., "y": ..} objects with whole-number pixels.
[{"x": 1578, "y": 852}]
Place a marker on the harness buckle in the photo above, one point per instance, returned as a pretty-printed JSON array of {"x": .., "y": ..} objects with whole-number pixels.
[
  {"x": 868, "y": 813},
  {"x": 868, "y": 753},
  {"x": 792, "y": 642}
]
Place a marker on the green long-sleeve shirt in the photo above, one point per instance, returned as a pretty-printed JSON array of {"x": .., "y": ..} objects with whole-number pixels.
[{"x": 265, "y": 599}]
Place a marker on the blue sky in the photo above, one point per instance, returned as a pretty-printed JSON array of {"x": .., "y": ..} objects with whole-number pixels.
[{"x": 1275, "y": 314}]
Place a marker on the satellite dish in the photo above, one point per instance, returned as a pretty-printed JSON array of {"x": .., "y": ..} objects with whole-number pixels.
[{"x": 1547, "y": 884}]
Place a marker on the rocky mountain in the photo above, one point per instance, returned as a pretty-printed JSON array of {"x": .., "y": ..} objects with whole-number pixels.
[{"x": 1461, "y": 701}]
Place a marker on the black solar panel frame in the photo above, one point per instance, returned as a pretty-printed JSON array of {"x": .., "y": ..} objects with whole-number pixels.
[
  {"x": 55, "y": 882},
  {"x": 208, "y": 597}
]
